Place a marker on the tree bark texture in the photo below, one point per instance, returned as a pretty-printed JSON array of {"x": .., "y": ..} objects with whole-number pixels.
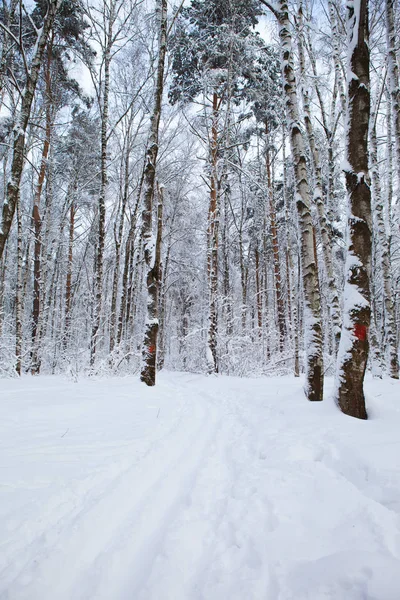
[
  {"x": 394, "y": 80},
  {"x": 18, "y": 296},
  {"x": 384, "y": 252},
  {"x": 275, "y": 249},
  {"x": 36, "y": 219},
  {"x": 98, "y": 295},
  {"x": 21, "y": 126},
  {"x": 354, "y": 342},
  {"x": 312, "y": 300},
  {"x": 152, "y": 262},
  {"x": 212, "y": 244},
  {"x": 319, "y": 199}
]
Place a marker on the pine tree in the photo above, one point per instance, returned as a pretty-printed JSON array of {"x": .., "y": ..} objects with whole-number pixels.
[{"x": 215, "y": 55}]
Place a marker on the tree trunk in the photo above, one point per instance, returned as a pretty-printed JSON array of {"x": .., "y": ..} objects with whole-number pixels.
[
  {"x": 212, "y": 240},
  {"x": 47, "y": 246},
  {"x": 275, "y": 249},
  {"x": 127, "y": 274},
  {"x": 68, "y": 285},
  {"x": 319, "y": 199},
  {"x": 36, "y": 219},
  {"x": 19, "y": 132},
  {"x": 7, "y": 46},
  {"x": 18, "y": 296},
  {"x": 98, "y": 300},
  {"x": 394, "y": 81},
  {"x": 292, "y": 296},
  {"x": 118, "y": 232},
  {"x": 336, "y": 56},
  {"x": 385, "y": 268},
  {"x": 258, "y": 292},
  {"x": 354, "y": 343},
  {"x": 152, "y": 262},
  {"x": 226, "y": 277},
  {"x": 312, "y": 300}
]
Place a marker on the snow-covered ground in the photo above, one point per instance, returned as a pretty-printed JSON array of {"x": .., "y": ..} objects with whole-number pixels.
[{"x": 198, "y": 489}]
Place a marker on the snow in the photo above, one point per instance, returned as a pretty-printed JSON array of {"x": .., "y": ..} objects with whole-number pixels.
[{"x": 202, "y": 487}]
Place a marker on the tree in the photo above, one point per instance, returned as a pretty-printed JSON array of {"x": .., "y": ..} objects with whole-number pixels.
[
  {"x": 150, "y": 244},
  {"x": 393, "y": 78},
  {"x": 354, "y": 342},
  {"x": 213, "y": 57},
  {"x": 312, "y": 299},
  {"x": 26, "y": 98},
  {"x": 383, "y": 250},
  {"x": 59, "y": 90},
  {"x": 319, "y": 195}
]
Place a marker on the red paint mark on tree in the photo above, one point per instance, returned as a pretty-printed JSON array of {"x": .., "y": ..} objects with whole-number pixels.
[
  {"x": 152, "y": 349},
  {"x": 360, "y": 331}
]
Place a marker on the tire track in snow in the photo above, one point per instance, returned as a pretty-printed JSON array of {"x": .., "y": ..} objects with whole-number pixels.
[
  {"x": 74, "y": 503},
  {"x": 110, "y": 543},
  {"x": 217, "y": 535}
]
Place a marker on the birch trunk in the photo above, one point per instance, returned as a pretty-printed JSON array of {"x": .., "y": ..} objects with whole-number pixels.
[
  {"x": 36, "y": 219},
  {"x": 390, "y": 321},
  {"x": 212, "y": 242},
  {"x": 118, "y": 232},
  {"x": 394, "y": 81},
  {"x": 47, "y": 247},
  {"x": 127, "y": 274},
  {"x": 68, "y": 285},
  {"x": 293, "y": 300},
  {"x": 280, "y": 308},
  {"x": 149, "y": 351},
  {"x": 8, "y": 49},
  {"x": 312, "y": 300},
  {"x": 19, "y": 132},
  {"x": 336, "y": 55},
  {"x": 98, "y": 300},
  {"x": 354, "y": 343},
  {"x": 319, "y": 199},
  {"x": 18, "y": 296}
]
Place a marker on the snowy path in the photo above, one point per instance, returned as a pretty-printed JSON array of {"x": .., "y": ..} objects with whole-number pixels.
[{"x": 198, "y": 489}]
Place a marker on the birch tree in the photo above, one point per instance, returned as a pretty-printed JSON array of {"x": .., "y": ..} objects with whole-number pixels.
[
  {"x": 354, "y": 342},
  {"x": 151, "y": 255},
  {"x": 394, "y": 80},
  {"x": 384, "y": 251},
  {"x": 312, "y": 299},
  {"x": 31, "y": 72},
  {"x": 319, "y": 196}
]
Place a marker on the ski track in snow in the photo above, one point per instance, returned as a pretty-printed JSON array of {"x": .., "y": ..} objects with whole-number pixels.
[{"x": 197, "y": 489}]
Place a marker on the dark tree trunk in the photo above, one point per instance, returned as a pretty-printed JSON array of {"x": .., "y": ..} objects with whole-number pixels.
[
  {"x": 354, "y": 343},
  {"x": 275, "y": 250},
  {"x": 212, "y": 250},
  {"x": 36, "y": 219},
  {"x": 149, "y": 352},
  {"x": 19, "y": 133}
]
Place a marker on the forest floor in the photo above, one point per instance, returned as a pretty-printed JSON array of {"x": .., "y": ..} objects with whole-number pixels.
[{"x": 201, "y": 488}]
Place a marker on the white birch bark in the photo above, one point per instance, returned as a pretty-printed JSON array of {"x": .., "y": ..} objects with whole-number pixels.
[
  {"x": 312, "y": 299},
  {"x": 319, "y": 198},
  {"x": 394, "y": 81},
  {"x": 22, "y": 121},
  {"x": 152, "y": 263},
  {"x": 384, "y": 253},
  {"x": 98, "y": 297}
]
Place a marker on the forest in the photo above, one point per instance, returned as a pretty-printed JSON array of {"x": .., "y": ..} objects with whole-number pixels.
[
  {"x": 208, "y": 186},
  {"x": 199, "y": 242}
]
